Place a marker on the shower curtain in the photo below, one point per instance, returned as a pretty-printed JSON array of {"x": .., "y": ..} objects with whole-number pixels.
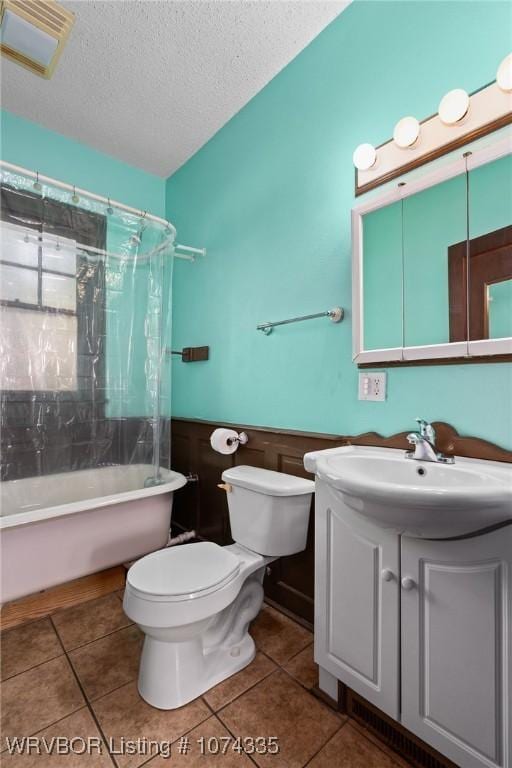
[{"x": 85, "y": 298}]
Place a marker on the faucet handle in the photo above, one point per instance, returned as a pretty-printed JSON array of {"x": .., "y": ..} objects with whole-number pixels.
[
  {"x": 426, "y": 430},
  {"x": 422, "y": 426}
]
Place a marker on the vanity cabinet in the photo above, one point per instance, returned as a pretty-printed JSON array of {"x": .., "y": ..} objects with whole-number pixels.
[
  {"x": 357, "y": 601},
  {"x": 456, "y": 646},
  {"x": 420, "y": 628}
]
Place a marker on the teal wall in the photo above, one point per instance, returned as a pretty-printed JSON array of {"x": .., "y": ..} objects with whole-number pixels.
[
  {"x": 270, "y": 196},
  {"x": 32, "y": 146}
]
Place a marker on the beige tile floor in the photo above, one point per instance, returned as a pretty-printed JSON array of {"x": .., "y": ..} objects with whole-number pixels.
[{"x": 73, "y": 674}]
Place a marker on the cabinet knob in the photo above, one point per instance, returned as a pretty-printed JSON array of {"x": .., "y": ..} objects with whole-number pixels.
[
  {"x": 387, "y": 574},
  {"x": 408, "y": 583}
]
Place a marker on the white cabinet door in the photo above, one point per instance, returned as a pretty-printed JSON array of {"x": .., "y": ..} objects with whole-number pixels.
[
  {"x": 456, "y": 646},
  {"x": 356, "y": 601}
]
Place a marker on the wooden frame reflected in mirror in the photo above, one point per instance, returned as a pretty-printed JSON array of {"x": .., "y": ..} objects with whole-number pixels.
[{"x": 490, "y": 262}]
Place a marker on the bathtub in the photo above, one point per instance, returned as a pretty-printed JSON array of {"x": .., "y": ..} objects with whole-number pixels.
[{"x": 60, "y": 527}]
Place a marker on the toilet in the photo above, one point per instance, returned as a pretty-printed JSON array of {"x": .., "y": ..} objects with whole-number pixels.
[{"x": 194, "y": 602}]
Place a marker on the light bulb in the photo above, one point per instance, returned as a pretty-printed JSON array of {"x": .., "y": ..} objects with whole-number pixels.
[
  {"x": 454, "y": 106},
  {"x": 364, "y": 157},
  {"x": 504, "y": 74},
  {"x": 406, "y": 132}
]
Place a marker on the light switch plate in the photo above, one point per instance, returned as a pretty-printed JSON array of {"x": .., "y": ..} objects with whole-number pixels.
[{"x": 372, "y": 386}]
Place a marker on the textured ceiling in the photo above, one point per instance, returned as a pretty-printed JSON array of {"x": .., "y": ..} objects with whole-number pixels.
[{"x": 149, "y": 82}]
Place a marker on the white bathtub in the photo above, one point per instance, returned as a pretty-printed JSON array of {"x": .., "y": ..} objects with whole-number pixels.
[{"x": 60, "y": 527}]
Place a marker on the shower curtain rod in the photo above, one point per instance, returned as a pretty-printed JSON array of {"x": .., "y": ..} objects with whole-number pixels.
[
  {"x": 49, "y": 237},
  {"x": 84, "y": 193}
]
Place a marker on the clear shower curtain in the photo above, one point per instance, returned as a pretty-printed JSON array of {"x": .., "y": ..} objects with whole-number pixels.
[{"x": 85, "y": 292}]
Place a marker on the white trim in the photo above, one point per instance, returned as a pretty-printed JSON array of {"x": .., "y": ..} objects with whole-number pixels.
[
  {"x": 462, "y": 349},
  {"x": 491, "y": 346},
  {"x": 435, "y": 351},
  {"x": 379, "y": 355}
]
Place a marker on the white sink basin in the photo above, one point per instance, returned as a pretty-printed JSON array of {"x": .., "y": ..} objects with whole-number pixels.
[{"x": 418, "y": 498}]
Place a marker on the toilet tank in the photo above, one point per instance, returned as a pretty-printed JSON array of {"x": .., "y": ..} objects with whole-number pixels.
[{"x": 268, "y": 511}]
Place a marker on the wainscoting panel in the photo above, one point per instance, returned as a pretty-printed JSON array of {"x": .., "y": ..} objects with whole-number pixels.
[{"x": 201, "y": 506}]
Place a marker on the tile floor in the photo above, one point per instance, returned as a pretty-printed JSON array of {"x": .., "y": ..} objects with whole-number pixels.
[{"x": 73, "y": 674}]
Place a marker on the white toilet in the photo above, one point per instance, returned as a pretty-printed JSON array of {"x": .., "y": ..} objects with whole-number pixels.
[{"x": 194, "y": 602}]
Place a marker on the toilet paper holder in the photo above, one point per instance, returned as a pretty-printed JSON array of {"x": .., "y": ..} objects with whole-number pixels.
[
  {"x": 241, "y": 439},
  {"x": 226, "y": 441}
]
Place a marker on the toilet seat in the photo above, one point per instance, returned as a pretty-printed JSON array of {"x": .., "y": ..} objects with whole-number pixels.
[{"x": 183, "y": 573}]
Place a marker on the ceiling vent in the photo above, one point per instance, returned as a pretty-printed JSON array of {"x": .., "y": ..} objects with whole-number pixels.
[{"x": 34, "y": 32}]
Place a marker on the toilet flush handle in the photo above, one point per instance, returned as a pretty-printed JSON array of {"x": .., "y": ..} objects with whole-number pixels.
[{"x": 225, "y": 487}]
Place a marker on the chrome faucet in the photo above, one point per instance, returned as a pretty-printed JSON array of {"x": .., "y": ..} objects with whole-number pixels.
[{"x": 424, "y": 442}]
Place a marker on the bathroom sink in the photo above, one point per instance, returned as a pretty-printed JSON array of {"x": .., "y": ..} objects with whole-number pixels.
[{"x": 417, "y": 498}]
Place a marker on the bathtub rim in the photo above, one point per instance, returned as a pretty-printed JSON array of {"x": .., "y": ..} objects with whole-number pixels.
[{"x": 16, "y": 519}]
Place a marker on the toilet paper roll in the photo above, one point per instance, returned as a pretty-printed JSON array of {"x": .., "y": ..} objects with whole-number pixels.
[{"x": 224, "y": 440}]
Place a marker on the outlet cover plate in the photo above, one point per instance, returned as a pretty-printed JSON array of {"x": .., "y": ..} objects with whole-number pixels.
[{"x": 372, "y": 386}]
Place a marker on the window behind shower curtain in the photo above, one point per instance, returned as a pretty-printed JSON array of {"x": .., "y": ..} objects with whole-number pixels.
[{"x": 53, "y": 328}]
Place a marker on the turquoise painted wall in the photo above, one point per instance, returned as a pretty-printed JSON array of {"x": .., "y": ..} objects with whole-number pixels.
[{"x": 270, "y": 197}]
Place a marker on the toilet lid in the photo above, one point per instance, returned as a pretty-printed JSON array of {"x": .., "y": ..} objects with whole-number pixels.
[{"x": 183, "y": 570}]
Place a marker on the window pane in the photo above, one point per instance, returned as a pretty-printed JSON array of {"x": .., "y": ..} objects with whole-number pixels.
[
  {"x": 19, "y": 245},
  {"x": 18, "y": 284},
  {"x": 38, "y": 351},
  {"x": 60, "y": 255},
  {"x": 59, "y": 291}
]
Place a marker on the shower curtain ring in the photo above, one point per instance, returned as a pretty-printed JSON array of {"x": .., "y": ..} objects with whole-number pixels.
[
  {"x": 110, "y": 210},
  {"x": 37, "y": 184},
  {"x": 74, "y": 198}
]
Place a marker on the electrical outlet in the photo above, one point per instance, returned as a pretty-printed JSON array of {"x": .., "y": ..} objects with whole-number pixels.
[{"x": 372, "y": 386}]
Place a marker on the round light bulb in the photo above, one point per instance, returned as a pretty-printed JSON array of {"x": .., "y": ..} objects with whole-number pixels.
[
  {"x": 453, "y": 106},
  {"x": 364, "y": 157},
  {"x": 406, "y": 132},
  {"x": 504, "y": 74}
]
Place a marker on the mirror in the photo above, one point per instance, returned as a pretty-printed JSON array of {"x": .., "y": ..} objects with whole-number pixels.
[
  {"x": 433, "y": 219},
  {"x": 432, "y": 263},
  {"x": 484, "y": 259},
  {"x": 499, "y": 309},
  {"x": 383, "y": 288}
]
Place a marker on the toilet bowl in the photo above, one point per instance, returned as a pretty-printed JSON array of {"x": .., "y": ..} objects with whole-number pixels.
[{"x": 194, "y": 602}]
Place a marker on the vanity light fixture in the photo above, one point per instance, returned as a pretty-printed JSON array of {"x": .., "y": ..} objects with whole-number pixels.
[
  {"x": 504, "y": 74},
  {"x": 364, "y": 157},
  {"x": 453, "y": 106},
  {"x": 406, "y": 132}
]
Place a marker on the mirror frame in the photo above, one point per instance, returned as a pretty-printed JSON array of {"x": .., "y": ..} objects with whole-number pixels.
[{"x": 482, "y": 350}]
